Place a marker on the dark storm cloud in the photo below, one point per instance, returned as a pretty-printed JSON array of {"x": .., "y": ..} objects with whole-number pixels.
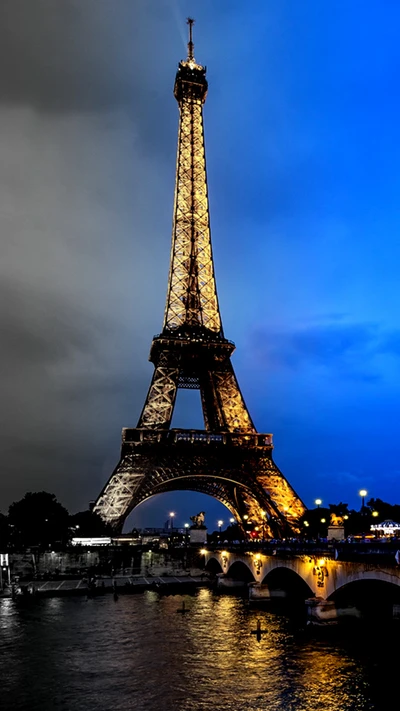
[
  {"x": 76, "y": 221},
  {"x": 61, "y": 56},
  {"x": 28, "y": 316},
  {"x": 68, "y": 54}
]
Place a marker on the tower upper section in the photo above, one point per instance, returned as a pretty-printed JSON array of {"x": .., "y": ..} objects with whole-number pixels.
[{"x": 192, "y": 301}]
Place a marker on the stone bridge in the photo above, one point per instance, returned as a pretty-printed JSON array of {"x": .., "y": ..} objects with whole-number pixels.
[{"x": 307, "y": 576}]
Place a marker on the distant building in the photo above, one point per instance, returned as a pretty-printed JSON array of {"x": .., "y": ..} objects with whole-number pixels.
[{"x": 91, "y": 541}]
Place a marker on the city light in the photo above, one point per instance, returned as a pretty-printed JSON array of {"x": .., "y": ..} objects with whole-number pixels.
[
  {"x": 363, "y": 493},
  {"x": 318, "y": 502}
]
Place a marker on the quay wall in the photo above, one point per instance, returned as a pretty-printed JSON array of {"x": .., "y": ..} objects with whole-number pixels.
[{"x": 105, "y": 561}]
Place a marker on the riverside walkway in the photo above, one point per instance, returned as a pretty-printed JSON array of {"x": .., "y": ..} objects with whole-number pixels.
[{"x": 120, "y": 584}]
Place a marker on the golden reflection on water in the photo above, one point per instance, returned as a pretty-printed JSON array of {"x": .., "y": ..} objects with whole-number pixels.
[
  {"x": 270, "y": 674},
  {"x": 140, "y": 653}
]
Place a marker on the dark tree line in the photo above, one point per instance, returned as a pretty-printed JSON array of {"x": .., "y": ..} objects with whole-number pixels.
[
  {"x": 315, "y": 522},
  {"x": 39, "y": 520}
]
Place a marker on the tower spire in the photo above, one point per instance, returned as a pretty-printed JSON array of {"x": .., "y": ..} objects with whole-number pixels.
[{"x": 190, "y": 58}]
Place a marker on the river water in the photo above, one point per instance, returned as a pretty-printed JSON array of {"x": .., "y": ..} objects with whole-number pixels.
[{"x": 139, "y": 653}]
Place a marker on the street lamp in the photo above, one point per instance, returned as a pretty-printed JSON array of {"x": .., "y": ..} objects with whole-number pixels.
[
  {"x": 318, "y": 502},
  {"x": 171, "y": 521},
  {"x": 363, "y": 493},
  {"x": 220, "y": 525},
  {"x": 231, "y": 520}
]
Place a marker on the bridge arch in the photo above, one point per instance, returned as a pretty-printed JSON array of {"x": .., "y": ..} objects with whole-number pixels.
[
  {"x": 240, "y": 571},
  {"x": 283, "y": 579},
  {"x": 213, "y": 566},
  {"x": 372, "y": 597}
]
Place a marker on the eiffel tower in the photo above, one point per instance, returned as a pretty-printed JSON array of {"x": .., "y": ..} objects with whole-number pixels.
[{"x": 229, "y": 459}]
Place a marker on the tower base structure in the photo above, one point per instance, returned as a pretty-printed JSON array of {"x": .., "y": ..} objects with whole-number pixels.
[{"x": 236, "y": 469}]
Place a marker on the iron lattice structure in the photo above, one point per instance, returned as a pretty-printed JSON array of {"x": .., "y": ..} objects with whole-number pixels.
[{"x": 229, "y": 460}]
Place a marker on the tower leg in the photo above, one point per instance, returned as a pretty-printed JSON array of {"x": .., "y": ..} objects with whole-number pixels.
[{"x": 159, "y": 406}]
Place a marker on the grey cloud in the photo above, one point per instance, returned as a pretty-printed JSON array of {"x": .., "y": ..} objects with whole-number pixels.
[
  {"x": 335, "y": 348},
  {"x": 37, "y": 329},
  {"x": 66, "y": 54},
  {"x": 81, "y": 248}
]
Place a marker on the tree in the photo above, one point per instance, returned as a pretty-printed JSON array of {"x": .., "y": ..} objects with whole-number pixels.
[
  {"x": 4, "y": 532},
  {"x": 38, "y": 520},
  {"x": 89, "y": 523},
  {"x": 385, "y": 511}
]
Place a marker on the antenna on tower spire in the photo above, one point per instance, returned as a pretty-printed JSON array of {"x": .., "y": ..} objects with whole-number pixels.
[{"x": 190, "y": 22}]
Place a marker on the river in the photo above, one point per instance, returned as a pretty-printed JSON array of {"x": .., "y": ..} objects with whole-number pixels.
[{"x": 139, "y": 653}]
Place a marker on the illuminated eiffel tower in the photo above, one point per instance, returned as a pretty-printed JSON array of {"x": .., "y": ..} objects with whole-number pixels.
[{"x": 229, "y": 459}]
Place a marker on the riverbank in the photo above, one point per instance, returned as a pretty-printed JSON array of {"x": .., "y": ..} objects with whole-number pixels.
[{"x": 120, "y": 585}]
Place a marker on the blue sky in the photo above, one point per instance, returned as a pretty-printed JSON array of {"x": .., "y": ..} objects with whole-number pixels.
[{"x": 301, "y": 123}]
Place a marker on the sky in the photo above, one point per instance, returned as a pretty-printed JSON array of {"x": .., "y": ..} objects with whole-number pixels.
[{"x": 303, "y": 156}]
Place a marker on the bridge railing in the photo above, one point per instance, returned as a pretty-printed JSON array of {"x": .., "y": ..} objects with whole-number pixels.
[{"x": 387, "y": 553}]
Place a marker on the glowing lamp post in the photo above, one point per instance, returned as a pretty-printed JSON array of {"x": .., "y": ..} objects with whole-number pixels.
[
  {"x": 318, "y": 502},
  {"x": 363, "y": 493},
  {"x": 186, "y": 527},
  {"x": 220, "y": 526},
  {"x": 171, "y": 521}
]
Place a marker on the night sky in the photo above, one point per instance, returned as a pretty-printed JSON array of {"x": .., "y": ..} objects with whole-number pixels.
[{"x": 303, "y": 153}]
